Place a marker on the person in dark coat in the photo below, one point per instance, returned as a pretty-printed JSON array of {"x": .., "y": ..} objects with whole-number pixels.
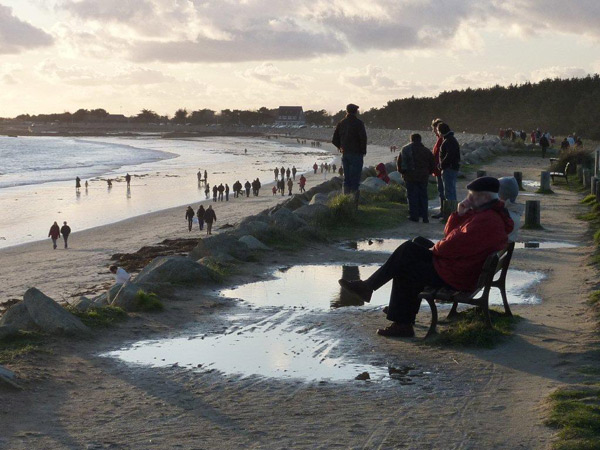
[
  {"x": 77, "y": 183},
  {"x": 226, "y": 192},
  {"x": 128, "y": 180},
  {"x": 221, "y": 190},
  {"x": 276, "y": 172},
  {"x": 415, "y": 163},
  {"x": 449, "y": 160},
  {"x": 294, "y": 170},
  {"x": 215, "y": 192},
  {"x": 65, "y": 230},
  {"x": 480, "y": 226},
  {"x": 207, "y": 191},
  {"x": 54, "y": 234},
  {"x": 315, "y": 167},
  {"x": 189, "y": 215},
  {"x": 200, "y": 215},
  {"x": 258, "y": 186},
  {"x": 288, "y": 173},
  {"x": 350, "y": 137},
  {"x": 247, "y": 185},
  {"x": 544, "y": 144},
  {"x": 205, "y": 176},
  {"x": 209, "y": 218}
]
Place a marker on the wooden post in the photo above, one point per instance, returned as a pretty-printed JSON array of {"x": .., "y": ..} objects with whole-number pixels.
[
  {"x": 481, "y": 173},
  {"x": 580, "y": 174},
  {"x": 587, "y": 179},
  {"x": 593, "y": 183},
  {"x": 545, "y": 181},
  {"x": 596, "y": 161},
  {"x": 532, "y": 214},
  {"x": 519, "y": 177},
  {"x": 597, "y": 192}
]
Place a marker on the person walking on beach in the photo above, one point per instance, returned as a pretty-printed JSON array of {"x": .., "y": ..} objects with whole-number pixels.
[
  {"x": 226, "y": 192},
  {"x": 294, "y": 172},
  {"x": 86, "y": 185},
  {"x": 189, "y": 215},
  {"x": 288, "y": 173},
  {"x": 544, "y": 144},
  {"x": 121, "y": 275},
  {"x": 315, "y": 167},
  {"x": 128, "y": 180},
  {"x": 302, "y": 183},
  {"x": 215, "y": 192},
  {"x": 274, "y": 190},
  {"x": 199, "y": 175},
  {"x": 207, "y": 191},
  {"x": 65, "y": 230},
  {"x": 200, "y": 215},
  {"x": 221, "y": 190},
  {"x": 276, "y": 172},
  {"x": 77, "y": 183},
  {"x": 258, "y": 186},
  {"x": 415, "y": 163},
  {"x": 282, "y": 171},
  {"x": 247, "y": 185},
  {"x": 449, "y": 163},
  {"x": 350, "y": 137},
  {"x": 290, "y": 184},
  {"x": 209, "y": 218},
  {"x": 437, "y": 171},
  {"x": 205, "y": 176},
  {"x": 54, "y": 234}
]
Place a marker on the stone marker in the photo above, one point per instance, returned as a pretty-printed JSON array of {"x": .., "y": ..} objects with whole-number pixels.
[
  {"x": 545, "y": 181},
  {"x": 532, "y": 214},
  {"x": 587, "y": 179},
  {"x": 519, "y": 177}
]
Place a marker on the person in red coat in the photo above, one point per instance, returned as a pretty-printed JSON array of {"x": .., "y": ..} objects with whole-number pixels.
[
  {"x": 479, "y": 227},
  {"x": 437, "y": 172},
  {"x": 54, "y": 234}
]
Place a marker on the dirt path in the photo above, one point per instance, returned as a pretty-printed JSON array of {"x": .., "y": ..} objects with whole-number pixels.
[{"x": 455, "y": 399}]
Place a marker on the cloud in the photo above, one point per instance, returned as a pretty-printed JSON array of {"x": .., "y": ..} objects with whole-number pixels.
[
  {"x": 557, "y": 72},
  {"x": 17, "y": 36},
  {"x": 272, "y": 75},
  {"x": 375, "y": 80}
]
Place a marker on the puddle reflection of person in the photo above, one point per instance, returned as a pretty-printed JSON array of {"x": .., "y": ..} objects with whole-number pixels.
[
  {"x": 345, "y": 297},
  {"x": 479, "y": 227}
]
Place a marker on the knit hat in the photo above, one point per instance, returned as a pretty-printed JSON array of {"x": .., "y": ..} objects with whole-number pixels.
[{"x": 509, "y": 188}]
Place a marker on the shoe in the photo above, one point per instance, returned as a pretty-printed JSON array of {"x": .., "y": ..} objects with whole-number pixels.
[
  {"x": 359, "y": 287},
  {"x": 397, "y": 330}
]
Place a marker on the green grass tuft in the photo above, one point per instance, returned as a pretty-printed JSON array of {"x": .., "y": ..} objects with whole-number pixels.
[
  {"x": 544, "y": 191},
  {"x": 594, "y": 298},
  {"x": 468, "y": 329},
  {"x": 393, "y": 193},
  {"x": 104, "y": 317},
  {"x": 14, "y": 347},
  {"x": 589, "y": 199},
  {"x": 148, "y": 301}
]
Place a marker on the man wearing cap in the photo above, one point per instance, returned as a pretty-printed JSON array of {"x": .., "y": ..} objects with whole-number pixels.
[
  {"x": 350, "y": 137},
  {"x": 479, "y": 227}
]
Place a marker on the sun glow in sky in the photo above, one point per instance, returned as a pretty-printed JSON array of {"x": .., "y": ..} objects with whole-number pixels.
[{"x": 125, "y": 55}]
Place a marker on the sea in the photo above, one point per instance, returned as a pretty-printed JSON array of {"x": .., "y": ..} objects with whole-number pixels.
[{"x": 37, "y": 176}]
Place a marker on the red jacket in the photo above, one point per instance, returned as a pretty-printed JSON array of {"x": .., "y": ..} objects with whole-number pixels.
[
  {"x": 436, "y": 156},
  {"x": 54, "y": 232},
  {"x": 469, "y": 240}
]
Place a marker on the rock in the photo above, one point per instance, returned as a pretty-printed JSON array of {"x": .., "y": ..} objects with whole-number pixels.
[
  {"x": 252, "y": 227},
  {"x": 396, "y": 178},
  {"x": 363, "y": 376},
  {"x": 287, "y": 220},
  {"x": 8, "y": 331},
  {"x": 391, "y": 167},
  {"x": 50, "y": 317},
  {"x": 335, "y": 184},
  {"x": 9, "y": 378},
  {"x": 294, "y": 202},
  {"x": 372, "y": 184},
  {"x": 320, "y": 199},
  {"x": 333, "y": 194},
  {"x": 18, "y": 317},
  {"x": 82, "y": 304},
  {"x": 368, "y": 172},
  {"x": 174, "y": 269},
  {"x": 220, "y": 244},
  {"x": 256, "y": 218},
  {"x": 107, "y": 297},
  {"x": 252, "y": 243},
  {"x": 312, "y": 213},
  {"x": 126, "y": 298}
]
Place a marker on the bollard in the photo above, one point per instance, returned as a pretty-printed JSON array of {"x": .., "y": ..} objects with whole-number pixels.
[
  {"x": 519, "y": 177},
  {"x": 596, "y": 162},
  {"x": 587, "y": 179},
  {"x": 545, "y": 182},
  {"x": 481, "y": 173},
  {"x": 597, "y": 192},
  {"x": 532, "y": 214},
  {"x": 593, "y": 183},
  {"x": 580, "y": 174}
]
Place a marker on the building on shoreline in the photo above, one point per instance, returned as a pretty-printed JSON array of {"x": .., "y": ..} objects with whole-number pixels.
[{"x": 291, "y": 116}]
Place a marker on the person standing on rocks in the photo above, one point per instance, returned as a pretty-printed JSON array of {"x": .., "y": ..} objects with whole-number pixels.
[
  {"x": 54, "y": 234},
  {"x": 437, "y": 171},
  {"x": 65, "y": 230},
  {"x": 450, "y": 164},
  {"x": 200, "y": 215},
  {"x": 415, "y": 163},
  {"x": 209, "y": 218},
  {"x": 128, "y": 180},
  {"x": 350, "y": 137},
  {"x": 189, "y": 215}
]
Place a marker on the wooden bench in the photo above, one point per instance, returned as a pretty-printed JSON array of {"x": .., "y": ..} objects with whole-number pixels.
[
  {"x": 564, "y": 174},
  {"x": 496, "y": 262}
]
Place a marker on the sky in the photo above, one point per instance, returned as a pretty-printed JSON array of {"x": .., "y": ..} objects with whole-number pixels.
[{"x": 125, "y": 55}]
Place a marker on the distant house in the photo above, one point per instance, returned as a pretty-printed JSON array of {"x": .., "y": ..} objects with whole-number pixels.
[{"x": 290, "y": 116}]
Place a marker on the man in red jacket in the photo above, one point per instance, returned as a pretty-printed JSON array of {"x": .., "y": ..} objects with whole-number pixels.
[{"x": 478, "y": 228}]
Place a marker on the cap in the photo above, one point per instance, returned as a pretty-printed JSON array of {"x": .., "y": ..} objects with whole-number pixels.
[
  {"x": 484, "y": 184},
  {"x": 352, "y": 108}
]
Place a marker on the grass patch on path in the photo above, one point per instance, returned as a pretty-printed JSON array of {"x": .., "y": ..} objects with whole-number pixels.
[
  {"x": 104, "y": 317},
  {"x": 14, "y": 347}
]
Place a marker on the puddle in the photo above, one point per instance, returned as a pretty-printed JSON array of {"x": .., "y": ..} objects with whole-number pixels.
[
  {"x": 544, "y": 245},
  {"x": 531, "y": 184},
  {"x": 374, "y": 245},
  {"x": 277, "y": 347}
]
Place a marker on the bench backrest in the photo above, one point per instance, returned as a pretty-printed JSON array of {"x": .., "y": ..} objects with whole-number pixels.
[
  {"x": 566, "y": 172},
  {"x": 496, "y": 262}
]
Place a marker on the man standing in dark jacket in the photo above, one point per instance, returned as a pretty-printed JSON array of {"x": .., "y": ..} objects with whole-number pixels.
[
  {"x": 189, "y": 216},
  {"x": 415, "y": 163},
  {"x": 65, "y": 230},
  {"x": 350, "y": 137},
  {"x": 449, "y": 163}
]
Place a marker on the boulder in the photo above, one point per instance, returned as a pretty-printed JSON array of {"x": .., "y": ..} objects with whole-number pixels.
[
  {"x": 225, "y": 243},
  {"x": 174, "y": 269},
  {"x": 50, "y": 317},
  {"x": 312, "y": 213},
  {"x": 294, "y": 202},
  {"x": 9, "y": 378},
  {"x": 287, "y": 220},
  {"x": 8, "y": 331},
  {"x": 396, "y": 178},
  {"x": 368, "y": 172},
  {"x": 252, "y": 243},
  {"x": 256, "y": 218},
  {"x": 82, "y": 304},
  {"x": 107, "y": 297},
  {"x": 18, "y": 317},
  {"x": 372, "y": 184},
  {"x": 391, "y": 167},
  {"x": 335, "y": 184},
  {"x": 126, "y": 298},
  {"x": 320, "y": 199},
  {"x": 252, "y": 227}
]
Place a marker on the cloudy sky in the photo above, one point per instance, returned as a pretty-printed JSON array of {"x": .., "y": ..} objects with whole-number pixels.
[{"x": 125, "y": 55}]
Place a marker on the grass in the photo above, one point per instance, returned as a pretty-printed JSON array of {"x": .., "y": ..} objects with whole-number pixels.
[
  {"x": 14, "y": 347},
  {"x": 148, "y": 301},
  {"x": 544, "y": 191},
  {"x": 468, "y": 329},
  {"x": 104, "y": 317},
  {"x": 576, "y": 414}
]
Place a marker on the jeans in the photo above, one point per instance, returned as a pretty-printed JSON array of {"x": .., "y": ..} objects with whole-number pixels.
[
  {"x": 54, "y": 243},
  {"x": 411, "y": 269},
  {"x": 353, "y": 165},
  {"x": 440, "y": 186},
  {"x": 201, "y": 223},
  {"x": 449, "y": 176},
  {"x": 66, "y": 238},
  {"x": 416, "y": 192}
]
